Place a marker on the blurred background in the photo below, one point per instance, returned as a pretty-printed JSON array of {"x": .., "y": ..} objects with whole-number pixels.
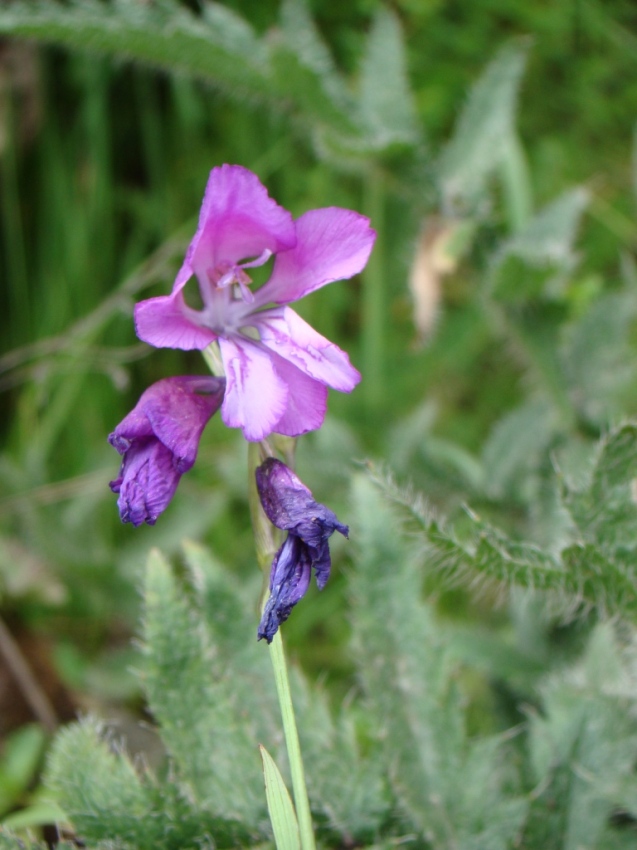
[{"x": 492, "y": 144}]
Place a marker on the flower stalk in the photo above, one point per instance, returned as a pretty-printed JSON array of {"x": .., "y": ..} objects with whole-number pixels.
[
  {"x": 266, "y": 541},
  {"x": 299, "y": 788}
]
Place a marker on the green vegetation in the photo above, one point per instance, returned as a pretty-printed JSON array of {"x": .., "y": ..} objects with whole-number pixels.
[{"x": 467, "y": 679}]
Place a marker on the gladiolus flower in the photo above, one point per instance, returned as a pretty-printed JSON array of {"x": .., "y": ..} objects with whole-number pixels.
[
  {"x": 290, "y": 506},
  {"x": 277, "y": 367},
  {"x": 159, "y": 440}
]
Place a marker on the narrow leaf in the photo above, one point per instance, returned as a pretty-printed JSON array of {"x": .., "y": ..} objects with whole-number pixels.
[
  {"x": 220, "y": 47},
  {"x": 385, "y": 101},
  {"x": 483, "y": 129},
  {"x": 280, "y": 808}
]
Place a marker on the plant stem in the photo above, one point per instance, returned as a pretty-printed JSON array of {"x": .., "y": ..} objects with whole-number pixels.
[
  {"x": 374, "y": 307},
  {"x": 266, "y": 541},
  {"x": 301, "y": 800}
]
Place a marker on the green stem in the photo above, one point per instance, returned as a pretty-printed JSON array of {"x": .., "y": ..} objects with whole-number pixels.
[
  {"x": 266, "y": 546},
  {"x": 374, "y": 306},
  {"x": 301, "y": 799}
]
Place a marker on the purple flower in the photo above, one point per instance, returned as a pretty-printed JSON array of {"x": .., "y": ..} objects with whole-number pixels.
[
  {"x": 159, "y": 440},
  {"x": 290, "y": 506},
  {"x": 277, "y": 367}
]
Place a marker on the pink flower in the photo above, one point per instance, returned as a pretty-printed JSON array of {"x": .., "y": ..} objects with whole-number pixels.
[{"x": 277, "y": 367}]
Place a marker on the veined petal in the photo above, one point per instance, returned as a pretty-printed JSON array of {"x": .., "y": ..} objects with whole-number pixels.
[
  {"x": 178, "y": 410},
  {"x": 289, "y": 581},
  {"x": 332, "y": 244},
  {"x": 146, "y": 483},
  {"x": 283, "y": 330},
  {"x": 238, "y": 220},
  {"x": 306, "y": 401},
  {"x": 290, "y": 505},
  {"x": 164, "y": 323},
  {"x": 256, "y": 395}
]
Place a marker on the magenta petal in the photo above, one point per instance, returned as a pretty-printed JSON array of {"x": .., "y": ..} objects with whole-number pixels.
[
  {"x": 256, "y": 396},
  {"x": 306, "y": 402},
  {"x": 238, "y": 220},
  {"x": 332, "y": 244},
  {"x": 163, "y": 322},
  {"x": 178, "y": 409},
  {"x": 290, "y": 336}
]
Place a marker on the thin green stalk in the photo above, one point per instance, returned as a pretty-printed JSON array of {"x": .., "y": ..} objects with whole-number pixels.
[
  {"x": 266, "y": 546},
  {"x": 15, "y": 253},
  {"x": 373, "y": 299},
  {"x": 301, "y": 799}
]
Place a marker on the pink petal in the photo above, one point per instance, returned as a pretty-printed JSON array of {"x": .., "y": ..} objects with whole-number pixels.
[
  {"x": 291, "y": 337},
  {"x": 332, "y": 244},
  {"x": 238, "y": 220},
  {"x": 306, "y": 403},
  {"x": 163, "y": 322},
  {"x": 256, "y": 396}
]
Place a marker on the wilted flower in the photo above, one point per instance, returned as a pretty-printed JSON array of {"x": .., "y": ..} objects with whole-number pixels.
[
  {"x": 159, "y": 440},
  {"x": 277, "y": 367},
  {"x": 290, "y": 506}
]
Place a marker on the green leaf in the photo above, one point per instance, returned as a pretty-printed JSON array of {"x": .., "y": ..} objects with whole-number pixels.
[
  {"x": 605, "y": 508},
  {"x": 598, "y": 573},
  {"x": 516, "y": 447},
  {"x": 98, "y": 787},
  {"x": 583, "y": 743},
  {"x": 21, "y": 757},
  {"x": 411, "y": 686},
  {"x": 220, "y": 47},
  {"x": 483, "y": 129},
  {"x": 538, "y": 259},
  {"x": 303, "y": 70},
  {"x": 386, "y": 105},
  {"x": 348, "y": 790},
  {"x": 37, "y": 814},
  {"x": 599, "y": 359},
  {"x": 282, "y": 815},
  {"x": 196, "y": 697}
]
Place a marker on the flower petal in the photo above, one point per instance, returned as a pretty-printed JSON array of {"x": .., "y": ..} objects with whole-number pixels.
[
  {"x": 289, "y": 581},
  {"x": 293, "y": 339},
  {"x": 256, "y": 396},
  {"x": 290, "y": 505},
  {"x": 178, "y": 410},
  {"x": 238, "y": 220},
  {"x": 164, "y": 323},
  {"x": 332, "y": 244},
  {"x": 147, "y": 482},
  {"x": 306, "y": 400}
]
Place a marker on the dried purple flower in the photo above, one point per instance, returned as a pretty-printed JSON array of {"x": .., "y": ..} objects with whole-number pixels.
[
  {"x": 159, "y": 440},
  {"x": 290, "y": 506}
]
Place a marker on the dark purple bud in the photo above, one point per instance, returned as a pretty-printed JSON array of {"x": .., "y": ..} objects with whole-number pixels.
[
  {"x": 290, "y": 506},
  {"x": 159, "y": 440}
]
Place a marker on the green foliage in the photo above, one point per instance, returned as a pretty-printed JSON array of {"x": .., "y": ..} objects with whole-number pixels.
[
  {"x": 397, "y": 760},
  {"x": 22, "y": 755},
  {"x": 583, "y": 747},
  {"x": 282, "y": 815},
  {"x": 220, "y": 46},
  {"x": 463, "y": 727},
  {"x": 385, "y": 98},
  {"x": 452, "y": 788},
  {"x": 594, "y": 564},
  {"x": 289, "y": 70},
  {"x": 483, "y": 130}
]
